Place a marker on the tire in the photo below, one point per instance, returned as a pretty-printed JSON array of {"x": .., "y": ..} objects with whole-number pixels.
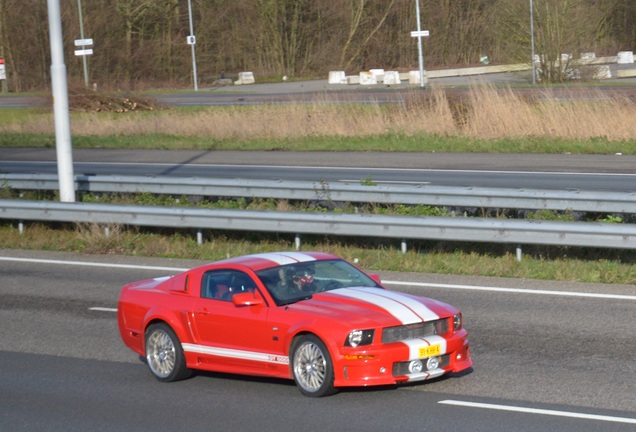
[
  {"x": 164, "y": 354},
  {"x": 312, "y": 367}
]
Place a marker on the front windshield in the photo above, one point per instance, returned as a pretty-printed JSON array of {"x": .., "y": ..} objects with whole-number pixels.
[{"x": 294, "y": 282}]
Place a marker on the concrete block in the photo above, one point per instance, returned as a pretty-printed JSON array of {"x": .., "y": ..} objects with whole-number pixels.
[
  {"x": 245, "y": 78},
  {"x": 626, "y": 73},
  {"x": 391, "y": 77},
  {"x": 625, "y": 57},
  {"x": 602, "y": 72},
  {"x": 379, "y": 75},
  {"x": 588, "y": 57},
  {"x": 414, "y": 77},
  {"x": 337, "y": 77},
  {"x": 368, "y": 78},
  {"x": 353, "y": 79}
]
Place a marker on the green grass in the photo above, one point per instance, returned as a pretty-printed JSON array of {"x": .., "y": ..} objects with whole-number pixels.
[
  {"x": 382, "y": 143},
  {"x": 547, "y": 263}
]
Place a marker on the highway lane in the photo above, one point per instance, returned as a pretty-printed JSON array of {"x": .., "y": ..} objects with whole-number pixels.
[
  {"x": 585, "y": 172},
  {"x": 562, "y": 348}
]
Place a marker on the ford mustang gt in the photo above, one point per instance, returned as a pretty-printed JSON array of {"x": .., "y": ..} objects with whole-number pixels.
[{"x": 311, "y": 317}]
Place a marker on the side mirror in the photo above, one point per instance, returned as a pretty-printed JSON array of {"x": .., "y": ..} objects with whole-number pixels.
[
  {"x": 376, "y": 278},
  {"x": 246, "y": 299}
]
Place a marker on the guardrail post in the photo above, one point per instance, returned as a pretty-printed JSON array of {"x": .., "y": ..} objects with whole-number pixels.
[
  {"x": 21, "y": 227},
  {"x": 297, "y": 241},
  {"x": 404, "y": 246},
  {"x": 107, "y": 231},
  {"x": 519, "y": 252},
  {"x": 199, "y": 237}
]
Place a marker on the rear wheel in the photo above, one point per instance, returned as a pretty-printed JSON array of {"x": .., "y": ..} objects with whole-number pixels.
[
  {"x": 312, "y": 366},
  {"x": 164, "y": 354}
]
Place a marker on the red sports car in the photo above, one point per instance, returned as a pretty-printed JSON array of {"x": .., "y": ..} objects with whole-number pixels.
[{"x": 311, "y": 317}]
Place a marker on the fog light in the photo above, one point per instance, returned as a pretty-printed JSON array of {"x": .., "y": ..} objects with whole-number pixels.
[
  {"x": 432, "y": 363},
  {"x": 415, "y": 367}
]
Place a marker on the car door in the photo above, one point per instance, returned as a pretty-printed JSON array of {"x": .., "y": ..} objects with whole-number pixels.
[{"x": 237, "y": 337}]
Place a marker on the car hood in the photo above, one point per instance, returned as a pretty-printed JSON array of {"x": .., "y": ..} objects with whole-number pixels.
[{"x": 372, "y": 307}]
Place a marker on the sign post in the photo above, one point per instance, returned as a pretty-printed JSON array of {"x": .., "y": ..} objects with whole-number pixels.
[
  {"x": 192, "y": 41},
  {"x": 81, "y": 23}
]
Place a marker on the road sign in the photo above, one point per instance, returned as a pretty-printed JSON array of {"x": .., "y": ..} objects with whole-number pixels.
[
  {"x": 192, "y": 40},
  {"x": 84, "y": 52},
  {"x": 421, "y": 33},
  {"x": 83, "y": 42}
]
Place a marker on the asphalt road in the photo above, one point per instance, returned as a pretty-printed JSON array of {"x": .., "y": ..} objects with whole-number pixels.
[
  {"x": 562, "y": 172},
  {"x": 560, "y": 355}
]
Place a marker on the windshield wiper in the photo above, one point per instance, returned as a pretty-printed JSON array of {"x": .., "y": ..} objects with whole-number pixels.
[{"x": 295, "y": 300}]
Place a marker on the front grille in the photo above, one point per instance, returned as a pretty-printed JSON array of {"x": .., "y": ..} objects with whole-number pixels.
[
  {"x": 402, "y": 368},
  {"x": 415, "y": 331}
]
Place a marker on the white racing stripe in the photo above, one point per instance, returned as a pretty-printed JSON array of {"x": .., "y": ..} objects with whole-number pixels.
[
  {"x": 377, "y": 297},
  {"x": 425, "y": 313},
  {"x": 236, "y": 354},
  {"x": 285, "y": 258},
  {"x": 540, "y": 411}
]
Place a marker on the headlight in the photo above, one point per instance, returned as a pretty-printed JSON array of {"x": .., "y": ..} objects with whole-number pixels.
[
  {"x": 457, "y": 321},
  {"x": 359, "y": 337}
]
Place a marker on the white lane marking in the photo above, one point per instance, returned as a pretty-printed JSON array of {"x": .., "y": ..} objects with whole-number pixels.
[
  {"x": 540, "y": 411},
  {"x": 348, "y": 168},
  {"x": 91, "y": 264},
  {"x": 384, "y": 282},
  {"x": 512, "y": 290},
  {"x": 103, "y": 309}
]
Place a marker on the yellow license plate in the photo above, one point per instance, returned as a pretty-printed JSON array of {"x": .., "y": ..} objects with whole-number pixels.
[{"x": 430, "y": 351}]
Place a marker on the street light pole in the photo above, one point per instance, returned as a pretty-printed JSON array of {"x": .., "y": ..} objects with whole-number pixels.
[
  {"x": 60, "y": 105},
  {"x": 534, "y": 72}
]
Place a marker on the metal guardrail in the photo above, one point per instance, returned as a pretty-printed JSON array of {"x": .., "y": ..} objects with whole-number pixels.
[
  {"x": 586, "y": 234},
  {"x": 531, "y": 199}
]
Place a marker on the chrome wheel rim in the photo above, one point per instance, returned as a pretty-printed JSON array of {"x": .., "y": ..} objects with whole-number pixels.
[
  {"x": 160, "y": 353},
  {"x": 310, "y": 367}
]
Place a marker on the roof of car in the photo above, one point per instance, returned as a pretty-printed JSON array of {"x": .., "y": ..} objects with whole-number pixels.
[{"x": 272, "y": 259}]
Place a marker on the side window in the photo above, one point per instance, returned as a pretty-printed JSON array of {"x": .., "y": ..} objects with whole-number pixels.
[{"x": 223, "y": 284}]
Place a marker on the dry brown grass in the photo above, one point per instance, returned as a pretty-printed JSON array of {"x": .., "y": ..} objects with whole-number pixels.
[{"x": 480, "y": 112}]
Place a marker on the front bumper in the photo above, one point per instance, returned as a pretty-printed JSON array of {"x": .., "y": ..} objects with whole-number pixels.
[{"x": 385, "y": 364}]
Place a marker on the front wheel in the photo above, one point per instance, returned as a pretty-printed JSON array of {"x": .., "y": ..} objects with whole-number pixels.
[
  {"x": 164, "y": 354},
  {"x": 312, "y": 367}
]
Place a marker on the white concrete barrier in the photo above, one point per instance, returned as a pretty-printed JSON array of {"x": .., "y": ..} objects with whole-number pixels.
[
  {"x": 391, "y": 78},
  {"x": 414, "y": 77},
  {"x": 245, "y": 78},
  {"x": 337, "y": 77},
  {"x": 602, "y": 72},
  {"x": 353, "y": 79},
  {"x": 626, "y": 73},
  {"x": 379, "y": 74},
  {"x": 368, "y": 78},
  {"x": 625, "y": 57}
]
